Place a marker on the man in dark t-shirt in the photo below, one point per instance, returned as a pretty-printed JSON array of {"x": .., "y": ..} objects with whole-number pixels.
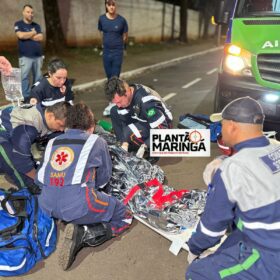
[
  {"x": 114, "y": 31},
  {"x": 29, "y": 36}
]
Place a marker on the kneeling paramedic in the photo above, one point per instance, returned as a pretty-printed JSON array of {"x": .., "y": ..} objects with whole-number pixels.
[
  {"x": 75, "y": 168},
  {"x": 20, "y": 127},
  {"x": 244, "y": 194},
  {"x": 138, "y": 109}
]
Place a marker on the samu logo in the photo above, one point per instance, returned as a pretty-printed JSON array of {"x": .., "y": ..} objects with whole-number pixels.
[{"x": 271, "y": 44}]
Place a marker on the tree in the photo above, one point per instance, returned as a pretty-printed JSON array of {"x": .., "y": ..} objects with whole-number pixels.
[
  {"x": 206, "y": 10},
  {"x": 183, "y": 20},
  {"x": 55, "y": 38},
  {"x": 183, "y": 4}
]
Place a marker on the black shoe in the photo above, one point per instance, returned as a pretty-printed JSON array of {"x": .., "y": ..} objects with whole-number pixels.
[
  {"x": 72, "y": 244},
  {"x": 78, "y": 236}
]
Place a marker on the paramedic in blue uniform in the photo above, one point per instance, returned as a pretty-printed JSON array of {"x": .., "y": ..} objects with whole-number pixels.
[
  {"x": 75, "y": 169},
  {"x": 139, "y": 109},
  {"x": 20, "y": 127},
  {"x": 113, "y": 29},
  {"x": 30, "y": 37},
  {"x": 244, "y": 195},
  {"x": 54, "y": 87}
]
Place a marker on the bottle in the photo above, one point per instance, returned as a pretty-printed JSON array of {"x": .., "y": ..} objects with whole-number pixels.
[
  {"x": 12, "y": 85},
  {"x": 105, "y": 125},
  {"x": 141, "y": 151}
]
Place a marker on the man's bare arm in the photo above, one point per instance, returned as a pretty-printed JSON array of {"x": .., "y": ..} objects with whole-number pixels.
[
  {"x": 38, "y": 37},
  {"x": 125, "y": 37},
  {"x": 26, "y": 35}
]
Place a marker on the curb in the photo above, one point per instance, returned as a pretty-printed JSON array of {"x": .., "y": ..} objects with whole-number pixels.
[{"x": 138, "y": 71}]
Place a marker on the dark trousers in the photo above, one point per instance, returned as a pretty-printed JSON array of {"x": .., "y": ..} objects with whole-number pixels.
[
  {"x": 112, "y": 62},
  {"x": 104, "y": 208},
  {"x": 7, "y": 165}
]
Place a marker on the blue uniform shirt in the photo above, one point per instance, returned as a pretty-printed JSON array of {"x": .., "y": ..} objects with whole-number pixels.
[
  {"x": 48, "y": 95},
  {"x": 22, "y": 127},
  {"x": 245, "y": 191},
  {"x": 28, "y": 48},
  {"x": 75, "y": 165}
]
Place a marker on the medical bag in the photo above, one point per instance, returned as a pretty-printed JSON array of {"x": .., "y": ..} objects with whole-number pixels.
[{"x": 27, "y": 235}]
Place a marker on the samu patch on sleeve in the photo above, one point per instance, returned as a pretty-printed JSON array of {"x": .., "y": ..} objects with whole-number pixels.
[
  {"x": 151, "y": 112},
  {"x": 272, "y": 160}
]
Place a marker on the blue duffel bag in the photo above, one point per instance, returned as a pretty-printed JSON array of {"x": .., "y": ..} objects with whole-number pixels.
[{"x": 27, "y": 235}]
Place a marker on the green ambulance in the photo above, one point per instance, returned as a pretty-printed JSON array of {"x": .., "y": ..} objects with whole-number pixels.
[{"x": 250, "y": 64}]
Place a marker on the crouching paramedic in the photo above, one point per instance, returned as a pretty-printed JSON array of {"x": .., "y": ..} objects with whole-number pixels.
[
  {"x": 20, "y": 127},
  {"x": 245, "y": 195},
  {"x": 75, "y": 168},
  {"x": 138, "y": 109}
]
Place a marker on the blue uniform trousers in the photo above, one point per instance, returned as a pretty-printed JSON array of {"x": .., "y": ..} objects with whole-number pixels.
[
  {"x": 105, "y": 208},
  {"x": 240, "y": 260},
  {"x": 7, "y": 161}
]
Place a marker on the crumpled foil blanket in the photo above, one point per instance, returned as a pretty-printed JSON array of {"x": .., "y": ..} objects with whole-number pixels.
[{"x": 174, "y": 215}]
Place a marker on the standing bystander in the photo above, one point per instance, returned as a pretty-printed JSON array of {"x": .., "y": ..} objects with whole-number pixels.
[
  {"x": 29, "y": 36},
  {"x": 115, "y": 33}
]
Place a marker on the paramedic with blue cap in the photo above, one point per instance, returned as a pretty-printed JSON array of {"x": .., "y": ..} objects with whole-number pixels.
[{"x": 245, "y": 195}]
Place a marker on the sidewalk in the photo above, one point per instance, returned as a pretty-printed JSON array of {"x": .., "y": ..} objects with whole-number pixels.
[
  {"x": 86, "y": 66},
  {"x": 91, "y": 74}
]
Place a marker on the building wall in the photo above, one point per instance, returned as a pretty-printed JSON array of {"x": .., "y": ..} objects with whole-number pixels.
[{"x": 79, "y": 20}]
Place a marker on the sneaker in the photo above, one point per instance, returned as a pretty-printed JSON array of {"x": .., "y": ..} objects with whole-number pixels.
[
  {"x": 71, "y": 245},
  {"x": 107, "y": 110}
]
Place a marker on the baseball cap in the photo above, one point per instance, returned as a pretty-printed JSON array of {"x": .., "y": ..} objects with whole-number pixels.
[{"x": 243, "y": 110}]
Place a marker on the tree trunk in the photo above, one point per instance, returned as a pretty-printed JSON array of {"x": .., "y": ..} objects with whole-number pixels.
[
  {"x": 55, "y": 40},
  {"x": 183, "y": 20},
  {"x": 208, "y": 11}
]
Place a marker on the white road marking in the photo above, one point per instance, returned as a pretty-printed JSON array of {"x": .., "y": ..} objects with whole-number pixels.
[
  {"x": 212, "y": 71},
  {"x": 192, "y": 83},
  {"x": 169, "y": 96}
]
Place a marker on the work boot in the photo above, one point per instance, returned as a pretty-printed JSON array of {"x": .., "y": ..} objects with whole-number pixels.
[{"x": 78, "y": 236}]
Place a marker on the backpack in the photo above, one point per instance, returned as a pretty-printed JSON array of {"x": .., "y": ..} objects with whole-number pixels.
[
  {"x": 27, "y": 235},
  {"x": 200, "y": 121}
]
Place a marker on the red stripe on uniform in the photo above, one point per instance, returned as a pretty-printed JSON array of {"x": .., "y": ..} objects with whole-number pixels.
[
  {"x": 119, "y": 230},
  {"x": 90, "y": 205}
]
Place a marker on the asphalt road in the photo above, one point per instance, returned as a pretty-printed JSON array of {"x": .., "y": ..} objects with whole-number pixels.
[
  {"x": 140, "y": 253},
  {"x": 187, "y": 87}
]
